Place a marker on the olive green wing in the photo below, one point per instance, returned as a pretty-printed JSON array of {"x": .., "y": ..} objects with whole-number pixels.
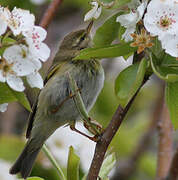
[{"x": 31, "y": 118}]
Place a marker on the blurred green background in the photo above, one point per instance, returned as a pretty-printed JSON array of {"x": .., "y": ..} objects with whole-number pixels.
[{"x": 13, "y": 122}]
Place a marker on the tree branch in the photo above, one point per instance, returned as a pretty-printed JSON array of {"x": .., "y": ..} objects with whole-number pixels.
[
  {"x": 107, "y": 136},
  {"x": 50, "y": 13},
  {"x": 128, "y": 167},
  {"x": 165, "y": 146},
  {"x": 173, "y": 172}
]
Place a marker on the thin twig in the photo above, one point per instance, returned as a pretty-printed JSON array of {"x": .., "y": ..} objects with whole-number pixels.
[
  {"x": 50, "y": 13},
  {"x": 107, "y": 136},
  {"x": 128, "y": 167},
  {"x": 165, "y": 146},
  {"x": 53, "y": 161}
]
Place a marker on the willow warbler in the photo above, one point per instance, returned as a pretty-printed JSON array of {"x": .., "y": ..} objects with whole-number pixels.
[{"x": 54, "y": 108}]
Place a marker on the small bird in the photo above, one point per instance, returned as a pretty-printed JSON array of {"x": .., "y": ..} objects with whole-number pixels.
[{"x": 54, "y": 107}]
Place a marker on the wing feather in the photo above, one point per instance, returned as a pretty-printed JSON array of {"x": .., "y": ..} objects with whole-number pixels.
[{"x": 31, "y": 118}]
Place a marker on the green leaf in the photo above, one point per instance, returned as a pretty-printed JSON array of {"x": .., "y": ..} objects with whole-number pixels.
[
  {"x": 129, "y": 80},
  {"x": 169, "y": 61},
  {"x": 22, "y": 99},
  {"x": 106, "y": 1},
  {"x": 127, "y": 55},
  {"x": 121, "y": 31},
  {"x": 164, "y": 70},
  {"x": 8, "y": 41},
  {"x": 73, "y": 165},
  {"x": 33, "y": 178},
  {"x": 107, "y": 32},
  {"x": 84, "y": 177},
  {"x": 107, "y": 166},
  {"x": 2, "y": 49},
  {"x": 8, "y": 95},
  {"x": 172, "y": 102},
  {"x": 110, "y": 51},
  {"x": 157, "y": 48}
]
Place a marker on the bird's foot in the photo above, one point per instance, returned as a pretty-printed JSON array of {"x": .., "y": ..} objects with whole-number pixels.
[
  {"x": 95, "y": 138},
  {"x": 93, "y": 126}
]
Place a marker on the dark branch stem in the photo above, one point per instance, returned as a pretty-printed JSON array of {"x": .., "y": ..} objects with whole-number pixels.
[
  {"x": 128, "y": 167},
  {"x": 173, "y": 172},
  {"x": 50, "y": 13},
  {"x": 107, "y": 136}
]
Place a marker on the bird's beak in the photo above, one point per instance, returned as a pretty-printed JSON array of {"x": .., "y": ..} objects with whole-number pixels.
[{"x": 88, "y": 29}]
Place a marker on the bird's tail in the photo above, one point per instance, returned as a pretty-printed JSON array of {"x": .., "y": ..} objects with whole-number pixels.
[{"x": 25, "y": 161}]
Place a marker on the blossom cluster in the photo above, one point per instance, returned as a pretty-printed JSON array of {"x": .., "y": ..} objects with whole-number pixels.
[
  {"x": 23, "y": 50},
  {"x": 161, "y": 20},
  {"x": 159, "y": 17}
]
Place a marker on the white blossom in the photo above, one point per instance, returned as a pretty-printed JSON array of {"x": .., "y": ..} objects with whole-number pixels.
[
  {"x": 16, "y": 62},
  {"x": 134, "y": 4},
  {"x": 130, "y": 20},
  {"x": 21, "y": 59},
  {"x": 35, "y": 80},
  {"x": 3, "y": 108},
  {"x": 7, "y": 74},
  {"x": 21, "y": 20},
  {"x": 94, "y": 12},
  {"x": 161, "y": 17},
  {"x": 4, "y": 16},
  {"x": 34, "y": 39},
  {"x": 170, "y": 44}
]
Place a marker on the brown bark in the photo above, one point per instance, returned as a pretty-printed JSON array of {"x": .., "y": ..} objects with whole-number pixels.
[
  {"x": 173, "y": 172},
  {"x": 165, "y": 146},
  {"x": 107, "y": 136},
  {"x": 50, "y": 13},
  {"x": 128, "y": 167}
]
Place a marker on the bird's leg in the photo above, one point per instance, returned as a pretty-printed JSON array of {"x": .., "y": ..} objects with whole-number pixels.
[
  {"x": 73, "y": 128},
  {"x": 94, "y": 124},
  {"x": 54, "y": 110},
  {"x": 91, "y": 126}
]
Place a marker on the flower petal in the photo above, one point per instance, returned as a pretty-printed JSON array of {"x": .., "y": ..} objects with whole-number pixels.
[
  {"x": 37, "y": 34},
  {"x": 161, "y": 17},
  {"x": 3, "y": 26},
  {"x": 3, "y": 107},
  {"x": 170, "y": 44},
  {"x": 37, "y": 64},
  {"x": 141, "y": 9},
  {"x": 127, "y": 34},
  {"x": 97, "y": 13},
  {"x": 21, "y": 61},
  {"x": 35, "y": 80},
  {"x": 130, "y": 20},
  {"x": 21, "y": 21},
  {"x": 40, "y": 50},
  {"x": 93, "y": 12},
  {"x": 15, "y": 82},
  {"x": 127, "y": 20},
  {"x": 2, "y": 78},
  {"x": 23, "y": 68}
]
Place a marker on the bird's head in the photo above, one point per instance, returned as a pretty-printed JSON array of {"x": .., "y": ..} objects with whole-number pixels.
[{"x": 77, "y": 40}]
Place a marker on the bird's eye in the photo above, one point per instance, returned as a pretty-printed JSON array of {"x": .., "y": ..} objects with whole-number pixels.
[{"x": 82, "y": 38}]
